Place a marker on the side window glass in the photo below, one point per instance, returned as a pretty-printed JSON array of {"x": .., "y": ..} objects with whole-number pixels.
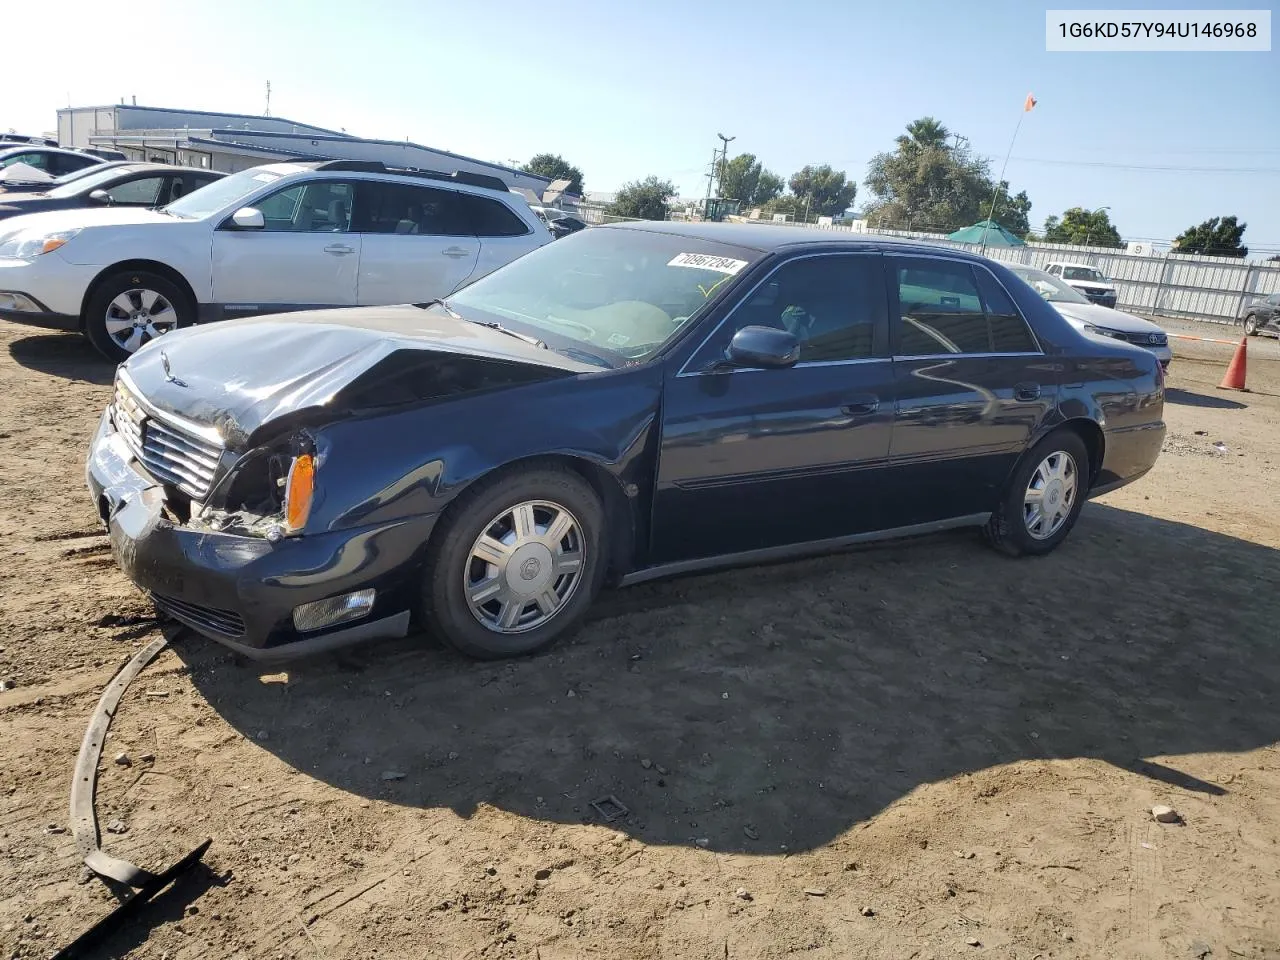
[
  {"x": 38, "y": 160},
  {"x": 941, "y": 311},
  {"x": 1009, "y": 331},
  {"x": 143, "y": 192},
  {"x": 490, "y": 218},
  {"x": 831, "y": 303},
  {"x": 317, "y": 207},
  {"x": 408, "y": 210}
]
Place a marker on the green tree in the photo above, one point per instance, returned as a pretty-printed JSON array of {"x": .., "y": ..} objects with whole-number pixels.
[
  {"x": 557, "y": 168},
  {"x": 924, "y": 134},
  {"x": 822, "y": 191},
  {"x": 1217, "y": 237},
  {"x": 745, "y": 178},
  {"x": 927, "y": 183},
  {"x": 643, "y": 199},
  {"x": 1081, "y": 226}
]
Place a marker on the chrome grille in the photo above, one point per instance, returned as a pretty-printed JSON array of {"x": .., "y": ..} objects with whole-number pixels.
[
  {"x": 170, "y": 453},
  {"x": 225, "y": 623}
]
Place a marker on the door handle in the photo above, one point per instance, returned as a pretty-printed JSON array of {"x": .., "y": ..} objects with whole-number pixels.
[
  {"x": 456, "y": 252},
  {"x": 339, "y": 249},
  {"x": 1027, "y": 391},
  {"x": 861, "y": 406}
]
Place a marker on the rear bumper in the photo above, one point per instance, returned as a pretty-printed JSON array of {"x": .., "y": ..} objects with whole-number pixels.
[
  {"x": 241, "y": 591},
  {"x": 1129, "y": 452}
]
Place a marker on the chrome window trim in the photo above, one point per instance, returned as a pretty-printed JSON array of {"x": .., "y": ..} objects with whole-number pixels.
[
  {"x": 969, "y": 356},
  {"x": 684, "y": 368},
  {"x": 1038, "y": 352}
]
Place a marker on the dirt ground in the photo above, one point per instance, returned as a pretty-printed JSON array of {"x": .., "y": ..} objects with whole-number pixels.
[{"x": 915, "y": 750}]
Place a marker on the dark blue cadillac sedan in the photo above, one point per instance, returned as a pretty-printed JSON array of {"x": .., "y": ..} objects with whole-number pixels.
[{"x": 627, "y": 403}]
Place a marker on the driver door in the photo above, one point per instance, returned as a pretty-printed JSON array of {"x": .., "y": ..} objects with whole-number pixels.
[
  {"x": 755, "y": 458},
  {"x": 305, "y": 256}
]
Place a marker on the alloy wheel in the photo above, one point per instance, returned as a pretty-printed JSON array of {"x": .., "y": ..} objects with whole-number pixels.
[
  {"x": 524, "y": 567},
  {"x": 136, "y": 317},
  {"x": 1050, "y": 495}
]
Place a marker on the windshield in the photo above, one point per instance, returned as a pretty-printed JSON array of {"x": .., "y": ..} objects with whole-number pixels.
[
  {"x": 1083, "y": 273},
  {"x": 220, "y": 194},
  {"x": 1049, "y": 286},
  {"x": 88, "y": 182},
  {"x": 619, "y": 292}
]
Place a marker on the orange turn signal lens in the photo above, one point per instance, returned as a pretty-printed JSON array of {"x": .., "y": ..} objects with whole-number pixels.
[
  {"x": 52, "y": 243},
  {"x": 298, "y": 492}
]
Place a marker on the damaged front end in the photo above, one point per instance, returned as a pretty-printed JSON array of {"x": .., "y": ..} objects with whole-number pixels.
[{"x": 219, "y": 539}]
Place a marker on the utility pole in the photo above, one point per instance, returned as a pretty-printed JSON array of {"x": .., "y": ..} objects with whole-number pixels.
[
  {"x": 267, "y": 112},
  {"x": 724, "y": 156},
  {"x": 711, "y": 179}
]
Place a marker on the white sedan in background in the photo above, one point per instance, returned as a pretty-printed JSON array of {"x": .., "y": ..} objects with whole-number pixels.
[{"x": 1092, "y": 318}]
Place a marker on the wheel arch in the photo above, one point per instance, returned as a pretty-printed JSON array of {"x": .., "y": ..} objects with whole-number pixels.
[
  {"x": 152, "y": 266},
  {"x": 1090, "y": 434},
  {"x": 622, "y": 512}
]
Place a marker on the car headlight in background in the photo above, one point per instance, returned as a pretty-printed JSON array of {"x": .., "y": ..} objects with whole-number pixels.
[
  {"x": 28, "y": 244},
  {"x": 1102, "y": 331}
]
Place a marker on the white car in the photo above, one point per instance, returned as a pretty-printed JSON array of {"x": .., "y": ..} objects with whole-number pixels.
[
  {"x": 1094, "y": 318},
  {"x": 1087, "y": 279},
  {"x": 286, "y": 236}
]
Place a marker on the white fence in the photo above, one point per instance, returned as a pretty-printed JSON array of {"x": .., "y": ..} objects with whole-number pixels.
[{"x": 1198, "y": 288}]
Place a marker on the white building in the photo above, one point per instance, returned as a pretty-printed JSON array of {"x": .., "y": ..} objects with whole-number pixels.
[{"x": 231, "y": 142}]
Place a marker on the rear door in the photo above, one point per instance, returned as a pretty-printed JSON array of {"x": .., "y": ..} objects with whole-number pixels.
[
  {"x": 972, "y": 387},
  {"x": 417, "y": 243},
  {"x": 503, "y": 235},
  {"x": 755, "y": 458},
  {"x": 305, "y": 256}
]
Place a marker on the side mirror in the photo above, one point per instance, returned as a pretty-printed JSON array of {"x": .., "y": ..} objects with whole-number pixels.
[
  {"x": 100, "y": 196},
  {"x": 248, "y": 218},
  {"x": 765, "y": 347}
]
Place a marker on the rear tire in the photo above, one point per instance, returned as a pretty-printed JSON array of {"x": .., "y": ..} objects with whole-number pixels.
[
  {"x": 517, "y": 563},
  {"x": 129, "y": 309},
  {"x": 1251, "y": 325},
  {"x": 1044, "y": 497}
]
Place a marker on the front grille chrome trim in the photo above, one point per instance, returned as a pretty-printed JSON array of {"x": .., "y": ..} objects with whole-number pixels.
[{"x": 172, "y": 449}]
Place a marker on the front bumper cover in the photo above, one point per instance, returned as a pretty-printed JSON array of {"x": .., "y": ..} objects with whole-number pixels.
[{"x": 241, "y": 591}]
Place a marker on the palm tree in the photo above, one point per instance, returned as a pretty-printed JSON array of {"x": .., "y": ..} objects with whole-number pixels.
[{"x": 924, "y": 133}]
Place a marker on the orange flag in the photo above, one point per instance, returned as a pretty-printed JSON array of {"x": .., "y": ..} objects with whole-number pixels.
[{"x": 1031, "y": 102}]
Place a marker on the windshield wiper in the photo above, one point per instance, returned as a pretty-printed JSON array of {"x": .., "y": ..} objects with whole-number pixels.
[{"x": 488, "y": 324}]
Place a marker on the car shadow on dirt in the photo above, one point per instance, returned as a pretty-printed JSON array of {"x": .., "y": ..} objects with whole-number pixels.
[
  {"x": 778, "y": 706},
  {"x": 66, "y": 355},
  {"x": 1188, "y": 398}
]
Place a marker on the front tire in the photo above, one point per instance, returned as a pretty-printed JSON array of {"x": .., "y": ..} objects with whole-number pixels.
[
  {"x": 1044, "y": 497},
  {"x": 1251, "y": 325},
  {"x": 129, "y": 309},
  {"x": 518, "y": 562}
]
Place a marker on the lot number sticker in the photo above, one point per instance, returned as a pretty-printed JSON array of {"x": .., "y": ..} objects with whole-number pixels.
[{"x": 702, "y": 261}]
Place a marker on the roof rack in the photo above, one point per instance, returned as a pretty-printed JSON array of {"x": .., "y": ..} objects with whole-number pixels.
[{"x": 377, "y": 166}]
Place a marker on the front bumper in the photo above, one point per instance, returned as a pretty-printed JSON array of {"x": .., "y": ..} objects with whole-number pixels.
[
  {"x": 241, "y": 591},
  {"x": 52, "y": 284},
  {"x": 1101, "y": 299}
]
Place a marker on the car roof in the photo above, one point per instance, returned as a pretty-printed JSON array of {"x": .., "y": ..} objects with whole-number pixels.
[
  {"x": 777, "y": 238},
  {"x": 40, "y": 148}
]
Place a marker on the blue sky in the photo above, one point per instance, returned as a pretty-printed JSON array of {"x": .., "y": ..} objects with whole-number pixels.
[{"x": 628, "y": 90}]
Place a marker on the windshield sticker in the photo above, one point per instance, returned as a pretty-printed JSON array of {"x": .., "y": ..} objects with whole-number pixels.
[
  {"x": 266, "y": 177},
  {"x": 702, "y": 261},
  {"x": 619, "y": 339}
]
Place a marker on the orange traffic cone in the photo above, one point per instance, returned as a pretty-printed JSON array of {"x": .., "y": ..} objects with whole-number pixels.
[{"x": 1234, "y": 380}]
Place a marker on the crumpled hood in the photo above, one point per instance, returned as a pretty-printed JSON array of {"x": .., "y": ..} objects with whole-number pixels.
[
  {"x": 1100, "y": 316},
  {"x": 241, "y": 375}
]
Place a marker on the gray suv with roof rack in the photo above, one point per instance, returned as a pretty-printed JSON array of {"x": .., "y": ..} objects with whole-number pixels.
[{"x": 279, "y": 237}]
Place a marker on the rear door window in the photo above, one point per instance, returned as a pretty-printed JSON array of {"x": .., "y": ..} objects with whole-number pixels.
[
  {"x": 409, "y": 210},
  {"x": 949, "y": 306}
]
